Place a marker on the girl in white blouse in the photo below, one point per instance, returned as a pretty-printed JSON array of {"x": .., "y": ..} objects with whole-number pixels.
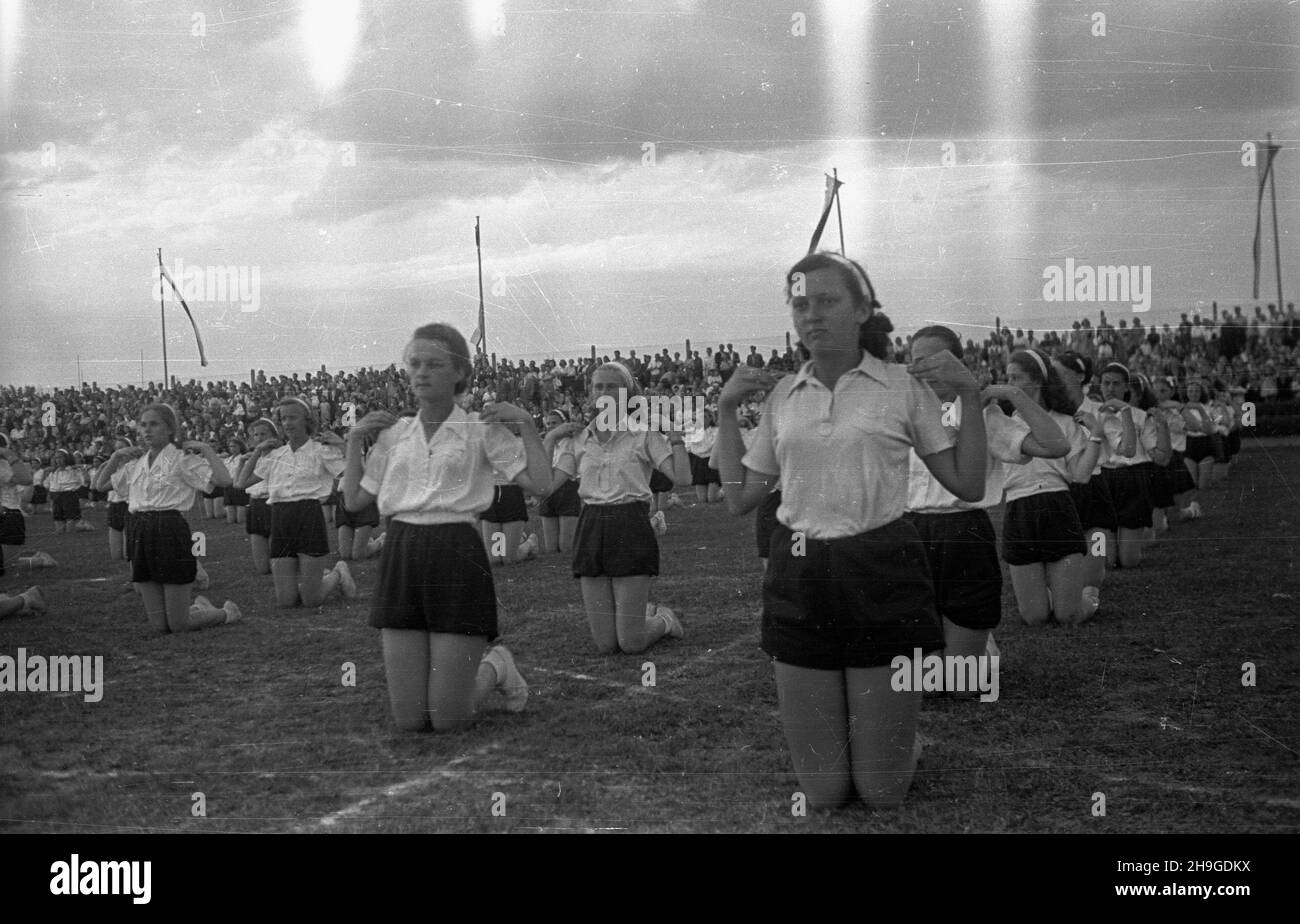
[
  {"x": 161, "y": 483},
  {"x": 435, "y": 601}
]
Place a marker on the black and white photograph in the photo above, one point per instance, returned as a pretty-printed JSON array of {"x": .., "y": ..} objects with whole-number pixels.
[{"x": 650, "y": 417}]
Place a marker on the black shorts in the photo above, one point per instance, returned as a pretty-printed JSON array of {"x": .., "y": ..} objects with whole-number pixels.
[
  {"x": 1041, "y": 528},
  {"x": 128, "y": 534},
  {"x": 1198, "y": 448},
  {"x": 701, "y": 474},
  {"x": 257, "y": 522},
  {"x": 1234, "y": 443},
  {"x": 855, "y": 602},
  {"x": 160, "y": 552},
  {"x": 1093, "y": 503},
  {"x": 508, "y": 505},
  {"x": 1179, "y": 477},
  {"x": 435, "y": 579},
  {"x": 562, "y": 502},
  {"x": 40, "y": 494},
  {"x": 117, "y": 515},
  {"x": 236, "y": 497},
  {"x": 1130, "y": 487},
  {"x": 83, "y": 492},
  {"x": 1159, "y": 486},
  {"x": 765, "y": 521},
  {"x": 1219, "y": 447},
  {"x": 615, "y": 540},
  {"x": 67, "y": 506},
  {"x": 298, "y": 528},
  {"x": 962, "y": 551},
  {"x": 215, "y": 494},
  {"x": 368, "y": 516},
  {"x": 13, "y": 527},
  {"x": 661, "y": 483}
]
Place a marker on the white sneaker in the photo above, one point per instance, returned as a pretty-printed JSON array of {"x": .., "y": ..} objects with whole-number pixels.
[
  {"x": 510, "y": 682},
  {"x": 528, "y": 548},
  {"x": 232, "y": 612},
  {"x": 675, "y": 629},
  {"x": 1091, "y": 601},
  {"x": 347, "y": 586},
  {"x": 201, "y": 579},
  {"x": 35, "y": 602},
  {"x": 1196, "y": 509},
  {"x": 660, "y": 523},
  {"x": 83, "y": 526},
  {"x": 674, "y": 500},
  {"x": 203, "y": 603}
]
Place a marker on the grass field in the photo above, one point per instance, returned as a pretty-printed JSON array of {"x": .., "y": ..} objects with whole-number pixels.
[{"x": 1145, "y": 705}]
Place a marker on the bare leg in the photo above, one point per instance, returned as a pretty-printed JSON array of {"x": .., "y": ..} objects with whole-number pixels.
[
  {"x": 636, "y": 631},
  {"x": 345, "y": 542},
  {"x": 882, "y": 724},
  {"x": 285, "y": 573},
  {"x": 568, "y": 532},
  {"x": 314, "y": 583},
  {"x": 1030, "y": 585},
  {"x": 261, "y": 549},
  {"x": 814, "y": 715},
  {"x": 1065, "y": 577},
  {"x": 598, "y": 601}
]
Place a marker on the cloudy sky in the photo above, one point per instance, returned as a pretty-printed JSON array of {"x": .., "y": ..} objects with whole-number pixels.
[{"x": 645, "y": 170}]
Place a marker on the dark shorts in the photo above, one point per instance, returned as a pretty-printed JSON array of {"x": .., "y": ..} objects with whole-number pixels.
[
  {"x": 1041, "y": 528},
  {"x": 765, "y": 522},
  {"x": 236, "y": 497},
  {"x": 701, "y": 474},
  {"x": 508, "y": 505},
  {"x": 1159, "y": 484},
  {"x": 1198, "y": 448},
  {"x": 83, "y": 492},
  {"x": 117, "y": 515},
  {"x": 1219, "y": 447},
  {"x": 1179, "y": 477},
  {"x": 1130, "y": 487},
  {"x": 215, "y": 494},
  {"x": 67, "y": 506},
  {"x": 661, "y": 483},
  {"x": 40, "y": 494},
  {"x": 855, "y": 602},
  {"x": 435, "y": 579},
  {"x": 369, "y": 516},
  {"x": 257, "y": 522},
  {"x": 1093, "y": 503},
  {"x": 13, "y": 527},
  {"x": 160, "y": 552},
  {"x": 563, "y": 502},
  {"x": 298, "y": 528},
  {"x": 962, "y": 551},
  {"x": 615, "y": 540},
  {"x": 1234, "y": 443}
]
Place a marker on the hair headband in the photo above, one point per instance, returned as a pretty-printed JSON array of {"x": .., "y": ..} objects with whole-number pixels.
[
  {"x": 857, "y": 271},
  {"x": 623, "y": 371},
  {"x": 560, "y": 414},
  {"x": 1117, "y": 367},
  {"x": 296, "y": 400},
  {"x": 1042, "y": 366},
  {"x": 275, "y": 427}
]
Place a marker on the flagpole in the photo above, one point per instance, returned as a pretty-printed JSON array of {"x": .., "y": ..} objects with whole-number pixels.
[
  {"x": 1277, "y": 251},
  {"x": 162, "y": 312},
  {"x": 835, "y": 175},
  {"x": 482, "y": 322}
]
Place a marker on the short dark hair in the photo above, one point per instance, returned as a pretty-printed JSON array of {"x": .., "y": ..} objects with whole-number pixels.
[
  {"x": 1039, "y": 369},
  {"x": 450, "y": 338}
]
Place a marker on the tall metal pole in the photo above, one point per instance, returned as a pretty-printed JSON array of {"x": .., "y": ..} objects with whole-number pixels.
[
  {"x": 162, "y": 313},
  {"x": 1277, "y": 251},
  {"x": 482, "y": 320},
  {"x": 839, "y": 216}
]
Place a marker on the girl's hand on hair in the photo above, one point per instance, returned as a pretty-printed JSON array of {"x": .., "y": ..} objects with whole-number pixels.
[
  {"x": 944, "y": 369},
  {"x": 1000, "y": 393},
  {"x": 745, "y": 381},
  {"x": 266, "y": 446},
  {"x": 503, "y": 412},
  {"x": 328, "y": 438}
]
